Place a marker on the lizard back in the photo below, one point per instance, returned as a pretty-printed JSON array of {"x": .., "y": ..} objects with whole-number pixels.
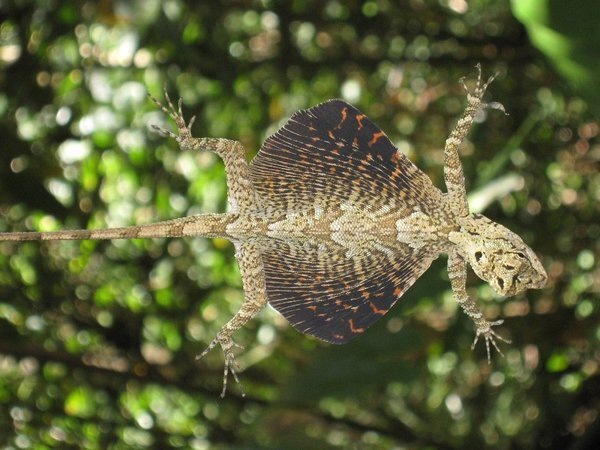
[{"x": 335, "y": 182}]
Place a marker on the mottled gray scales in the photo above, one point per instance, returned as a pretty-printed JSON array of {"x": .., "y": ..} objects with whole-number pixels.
[
  {"x": 209, "y": 225},
  {"x": 250, "y": 263},
  {"x": 332, "y": 224}
]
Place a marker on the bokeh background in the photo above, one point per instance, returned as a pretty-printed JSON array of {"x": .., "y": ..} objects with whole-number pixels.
[{"x": 98, "y": 339}]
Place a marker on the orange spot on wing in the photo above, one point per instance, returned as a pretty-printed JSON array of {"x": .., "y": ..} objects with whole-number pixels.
[
  {"x": 375, "y": 137},
  {"x": 359, "y": 120},
  {"x": 353, "y": 328},
  {"x": 398, "y": 291},
  {"x": 344, "y": 114},
  {"x": 376, "y": 310}
]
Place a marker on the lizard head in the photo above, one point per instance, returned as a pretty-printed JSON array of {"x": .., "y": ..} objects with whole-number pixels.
[{"x": 499, "y": 256}]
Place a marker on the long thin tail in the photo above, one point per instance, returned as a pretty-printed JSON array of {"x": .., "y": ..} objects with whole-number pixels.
[{"x": 205, "y": 225}]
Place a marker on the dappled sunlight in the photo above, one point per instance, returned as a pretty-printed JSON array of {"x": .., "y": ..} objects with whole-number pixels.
[{"x": 99, "y": 339}]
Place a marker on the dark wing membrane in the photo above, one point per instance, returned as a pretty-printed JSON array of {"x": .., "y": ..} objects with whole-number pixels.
[
  {"x": 333, "y": 152},
  {"x": 324, "y": 158},
  {"x": 322, "y": 292}
]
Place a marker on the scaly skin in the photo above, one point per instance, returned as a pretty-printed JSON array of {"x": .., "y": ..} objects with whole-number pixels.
[{"x": 332, "y": 224}]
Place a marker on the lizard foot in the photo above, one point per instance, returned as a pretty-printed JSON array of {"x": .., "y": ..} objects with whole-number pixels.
[
  {"x": 479, "y": 90},
  {"x": 489, "y": 336},
  {"x": 231, "y": 365},
  {"x": 184, "y": 138}
]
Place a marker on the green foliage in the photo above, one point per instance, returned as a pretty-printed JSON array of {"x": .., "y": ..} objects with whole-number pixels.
[
  {"x": 98, "y": 339},
  {"x": 568, "y": 34}
]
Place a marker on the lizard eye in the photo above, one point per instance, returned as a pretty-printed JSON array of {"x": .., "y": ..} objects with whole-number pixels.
[{"x": 478, "y": 256}]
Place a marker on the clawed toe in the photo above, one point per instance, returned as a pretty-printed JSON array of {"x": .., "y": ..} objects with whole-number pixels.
[
  {"x": 163, "y": 131},
  {"x": 494, "y": 105},
  {"x": 230, "y": 364},
  {"x": 480, "y": 89},
  {"x": 176, "y": 114},
  {"x": 490, "y": 336}
]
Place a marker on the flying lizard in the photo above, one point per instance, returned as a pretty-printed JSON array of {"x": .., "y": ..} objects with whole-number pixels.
[{"x": 332, "y": 224}]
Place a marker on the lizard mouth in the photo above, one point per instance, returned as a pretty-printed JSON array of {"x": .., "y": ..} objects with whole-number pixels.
[
  {"x": 540, "y": 281},
  {"x": 518, "y": 283}
]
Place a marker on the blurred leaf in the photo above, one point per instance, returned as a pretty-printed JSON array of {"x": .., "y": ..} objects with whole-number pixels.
[
  {"x": 568, "y": 34},
  {"x": 80, "y": 403}
]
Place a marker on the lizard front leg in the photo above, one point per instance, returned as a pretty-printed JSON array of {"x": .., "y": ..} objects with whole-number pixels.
[
  {"x": 241, "y": 194},
  {"x": 253, "y": 280},
  {"x": 453, "y": 172},
  {"x": 457, "y": 272}
]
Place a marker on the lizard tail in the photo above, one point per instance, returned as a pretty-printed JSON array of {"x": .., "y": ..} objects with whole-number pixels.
[{"x": 204, "y": 225}]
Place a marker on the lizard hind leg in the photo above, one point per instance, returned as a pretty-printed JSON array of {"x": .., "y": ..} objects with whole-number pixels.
[
  {"x": 227, "y": 344},
  {"x": 253, "y": 280},
  {"x": 176, "y": 114},
  {"x": 241, "y": 192}
]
